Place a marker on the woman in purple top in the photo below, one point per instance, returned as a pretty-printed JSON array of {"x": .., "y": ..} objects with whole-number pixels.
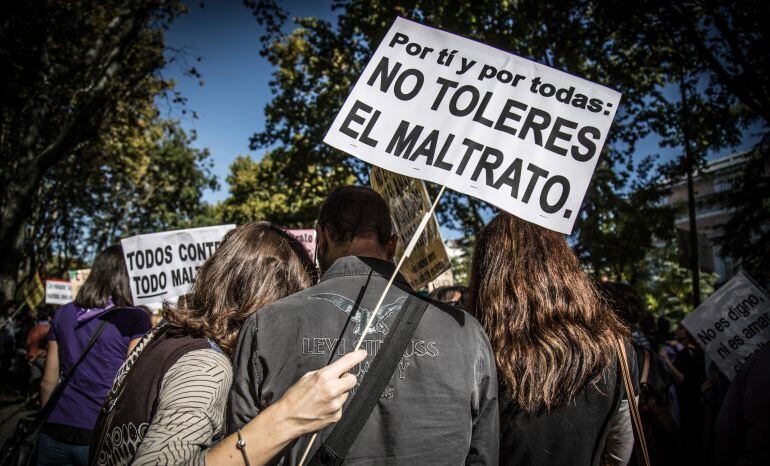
[{"x": 67, "y": 433}]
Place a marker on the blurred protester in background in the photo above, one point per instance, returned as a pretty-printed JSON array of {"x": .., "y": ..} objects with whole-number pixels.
[
  {"x": 7, "y": 338},
  {"x": 685, "y": 361},
  {"x": 629, "y": 308},
  {"x": 25, "y": 320},
  {"x": 104, "y": 297},
  {"x": 655, "y": 383},
  {"x": 743, "y": 427},
  {"x": 555, "y": 344},
  {"x": 168, "y": 401},
  {"x": 662, "y": 330},
  {"x": 452, "y": 295},
  {"x": 37, "y": 346},
  {"x": 713, "y": 392}
]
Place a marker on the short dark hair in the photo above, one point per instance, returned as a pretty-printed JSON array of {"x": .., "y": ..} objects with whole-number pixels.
[
  {"x": 350, "y": 211},
  {"x": 108, "y": 280}
]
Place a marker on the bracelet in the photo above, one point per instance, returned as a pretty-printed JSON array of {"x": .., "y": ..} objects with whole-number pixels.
[{"x": 241, "y": 445}]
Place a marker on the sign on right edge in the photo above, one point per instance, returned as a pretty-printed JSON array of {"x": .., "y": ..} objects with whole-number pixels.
[
  {"x": 520, "y": 135},
  {"x": 732, "y": 324}
]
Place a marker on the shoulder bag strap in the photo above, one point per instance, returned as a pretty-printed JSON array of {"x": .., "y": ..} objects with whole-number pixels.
[
  {"x": 336, "y": 446},
  {"x": 46, "y": 411},
  {"x": 629, "y": 386}
]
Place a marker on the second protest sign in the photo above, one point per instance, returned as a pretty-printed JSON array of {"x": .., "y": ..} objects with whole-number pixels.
[
  {"x": 163, "y": 265},
  {"x": 408, "y": 201}
]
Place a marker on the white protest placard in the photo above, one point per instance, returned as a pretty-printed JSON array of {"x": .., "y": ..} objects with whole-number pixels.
[
  {"x": 487, "y": 123},
  {"x": 162, "y": 265},
  {"x": 408, "y": 201},
  {"x": 732, "y": 324},
  {"x": 306, "y": 236},
  {"x": 57, "y": 291}
]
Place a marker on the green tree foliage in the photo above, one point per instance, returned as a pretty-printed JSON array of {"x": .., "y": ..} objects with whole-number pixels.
[
  {"x": 69, "y": 71},
  {"x": 141, "y": 179},
  {"x": 667, "y": 286},
  {"x": 617, "y": 230},
  {"x": 462, "y": 259},
  {"x": 260, "y": 191}
]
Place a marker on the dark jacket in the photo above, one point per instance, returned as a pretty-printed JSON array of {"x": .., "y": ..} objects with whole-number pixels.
[
  {"x": 575, "y": 433},
  {"x": 441, "y": 404},
  {"x": 743, "y": 426}
]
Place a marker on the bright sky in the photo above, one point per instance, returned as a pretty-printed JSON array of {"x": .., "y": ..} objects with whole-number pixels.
[
  {"x": 230, "y": 103},
  {"x": 235, "y": 91}
]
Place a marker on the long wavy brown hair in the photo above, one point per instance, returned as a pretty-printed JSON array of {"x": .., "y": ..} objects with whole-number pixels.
[
  {"x": 255, "y": 265},
  {"x": 551, "y": 332}
]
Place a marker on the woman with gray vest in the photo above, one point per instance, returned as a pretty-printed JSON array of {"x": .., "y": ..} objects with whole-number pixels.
[{"x": 167, "y": 403}]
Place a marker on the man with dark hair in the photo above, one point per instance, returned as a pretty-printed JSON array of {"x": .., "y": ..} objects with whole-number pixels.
[
  {"x": 439, "y": 406},
  {"x": 354, "y": 220}
]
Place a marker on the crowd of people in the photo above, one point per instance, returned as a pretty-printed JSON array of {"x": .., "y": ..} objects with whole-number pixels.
[{"x": 521, "y": 367}]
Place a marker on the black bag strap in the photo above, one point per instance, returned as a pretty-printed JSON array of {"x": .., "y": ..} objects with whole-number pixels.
[
  {"x": 336, "y": 446},
  {"x": 46, "y": 411}
]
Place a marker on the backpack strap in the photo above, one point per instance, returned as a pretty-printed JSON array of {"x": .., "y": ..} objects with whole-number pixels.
[{"x": 336, "y": 446}]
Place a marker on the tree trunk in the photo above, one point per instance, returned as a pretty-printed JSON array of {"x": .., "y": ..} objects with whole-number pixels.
[
  {"x": 15, "y": 212},
  {"x": 689, "y": 164}
]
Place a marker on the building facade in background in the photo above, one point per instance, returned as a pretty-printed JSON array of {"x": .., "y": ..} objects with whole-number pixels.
[{"x": 711, "y": 183}]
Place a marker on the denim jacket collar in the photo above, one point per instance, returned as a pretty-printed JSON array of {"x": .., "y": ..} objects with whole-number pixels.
[{"x": 359, "y": 265}]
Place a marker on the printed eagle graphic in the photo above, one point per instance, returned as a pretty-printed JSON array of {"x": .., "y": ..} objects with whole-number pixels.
[{"x": 362, "y": 317}]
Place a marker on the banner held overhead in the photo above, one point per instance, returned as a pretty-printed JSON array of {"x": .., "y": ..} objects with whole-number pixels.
[{"x": 510, "y": 131}]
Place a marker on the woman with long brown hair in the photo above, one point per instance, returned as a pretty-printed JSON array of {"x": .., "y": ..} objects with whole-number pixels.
[
  {"x": 167, "y": 403},
  {"x": 554, "y": 342}
]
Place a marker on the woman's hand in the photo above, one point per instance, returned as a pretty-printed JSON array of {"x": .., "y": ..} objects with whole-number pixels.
[
  {"x": 316, "y": 400},
  {"x": 311, "y": 404}
]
